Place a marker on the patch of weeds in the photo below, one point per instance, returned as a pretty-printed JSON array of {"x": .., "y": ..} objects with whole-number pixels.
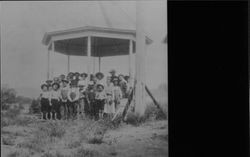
[
  {"x": 152, "y": 112},
  {"x": 23, "y": 121},
  {"x": 5, "y": 122},
  {"x": 14, "y": 154},
  {"x": 18, "y": 154},
  {"x": 135, "y": 119},
  {"x": 93, "y": 133},
  {"x": 113, "y": 152},
  {"x": 53, "y": 129},
  {"x": 8, "y": 141},
  {"x": 83, "y": 152},
  {"x": 74, "y": 144},
  {"x": 32, "y": 146},
  {"x": 11, "y": 113},
  {"x": 95, "y": 139},
  {"x": 47, "y": 154}
]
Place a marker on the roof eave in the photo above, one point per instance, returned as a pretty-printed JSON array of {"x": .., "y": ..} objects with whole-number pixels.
[{"x": 47, "y": 35}]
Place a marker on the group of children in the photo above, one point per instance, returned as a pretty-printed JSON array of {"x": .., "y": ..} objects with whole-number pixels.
[{"x": 78, "y": 95}]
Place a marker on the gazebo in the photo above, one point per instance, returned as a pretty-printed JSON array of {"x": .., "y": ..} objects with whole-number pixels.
[
  {"x": 103, "y": 40},
  {"x": 90, "y": 41}
]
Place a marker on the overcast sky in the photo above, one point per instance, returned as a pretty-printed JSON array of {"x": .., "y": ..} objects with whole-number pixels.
[{"x": 23, "y": 24}]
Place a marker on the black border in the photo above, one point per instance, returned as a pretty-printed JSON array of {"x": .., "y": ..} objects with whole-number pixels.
[{"x": 208, "y": 79}]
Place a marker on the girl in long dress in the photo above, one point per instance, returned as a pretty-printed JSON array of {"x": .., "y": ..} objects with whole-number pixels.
[
  {"x": 109, "y": 107},
  {"x": 117, "y": 93}
]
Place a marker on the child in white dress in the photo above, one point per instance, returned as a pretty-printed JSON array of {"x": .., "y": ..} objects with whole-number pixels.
[{"x": 109, "y": 108}]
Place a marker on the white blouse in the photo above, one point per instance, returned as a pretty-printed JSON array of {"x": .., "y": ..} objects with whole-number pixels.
[
  {"x": 45, "y": 95},
  {"x": 55, "y": 94}
]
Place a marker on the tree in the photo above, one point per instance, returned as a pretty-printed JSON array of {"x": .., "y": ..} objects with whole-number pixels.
[
  {"x": 8, "y": 96},
  {"x": 35, "y": 106}
]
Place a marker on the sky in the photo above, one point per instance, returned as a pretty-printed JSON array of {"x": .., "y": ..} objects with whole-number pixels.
[{"x": 23, "y": 25}]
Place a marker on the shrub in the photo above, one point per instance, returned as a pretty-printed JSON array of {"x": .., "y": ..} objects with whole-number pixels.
[
  {"x": 35, "y": 106},
  {"x": 8, "y": 96},
  {"x": 8, "y": 141},
  {"x": 135, "y": 119},
  {"x": 152, "y": 112},
  {"x": 11, "y": 113}
]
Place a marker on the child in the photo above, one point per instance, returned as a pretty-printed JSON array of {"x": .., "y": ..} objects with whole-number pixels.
[
  {"x": 64, "y": 95},
  {"x": 44, "y": 100},
  {"x": 55, "y": 97},
  {"x": 123, "y": 85},
  {"x": 113, "y": 74},
  {"x": 76, "y": 77},
  {"x": 82, "y": 100},
  {"x": 109, "y": 107},
  {"x": 49, "y": 82},
  {"x": 73, "y": 97},
  {"x": 99, "y": 78},
  {"x": 100, "y": 101},
  {"x": 117, "y": 93},
  {"x": 82, "y": 81},
  {"x": 90, "y": 97},
  {"x": 49, "y": 113}
]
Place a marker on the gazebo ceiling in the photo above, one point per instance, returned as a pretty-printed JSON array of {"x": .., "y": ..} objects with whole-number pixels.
[
  {"x": 100, "y": 46},
  {"x": 104, "y": 41}
]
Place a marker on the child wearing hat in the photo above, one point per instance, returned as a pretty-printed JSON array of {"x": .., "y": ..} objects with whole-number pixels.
[
  {"x": 100, "y": 101},
  {"x": 83, "y": 81},
  {"x": 49, "y": 82},
  {"x": 113, "y": 74},
  {"x": 64, "y": 100},
  {"x": 109, "y": 107},
  {"x": 117, "y": 92},
  {"x": 44, "y": 101},
  {"x": 49, "y": 113},
  {"x": 99, "y": 78},
  {"x": 73, "y": 97},
  {"x": 55, "y": 98},
  {"x": 82, "y": 102},
  {"x": 123, "y": 85},
  {"x": 90, "y": 97}
]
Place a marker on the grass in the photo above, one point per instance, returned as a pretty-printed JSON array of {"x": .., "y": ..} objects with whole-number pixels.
[
  {"x": 151, "y": 113},
  {"x": 12, "y": 117},
  {"x": 18, "y": 154},
  {"x": 74, "y": 144},
  {"x": 44, "y": 134},
  {"x": 52, "y": 129},
  {"x": 14, "y": 154},
  {"x": 8, "y": 141},
  {"x": 57, "y": 154},
  {"x": 83, "y": 152}
]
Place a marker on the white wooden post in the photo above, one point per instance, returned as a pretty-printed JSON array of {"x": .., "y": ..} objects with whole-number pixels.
[
  {"x": 53, "y": 59},
  {"x": 68, "y": 67},
  {"x": 99, "y": 64},
  {"x": 89, "y": 55},
  {"x": 130, "y": 58},
  {"x": 48, "y": 64},
  {"x": 140, "y": 94}
]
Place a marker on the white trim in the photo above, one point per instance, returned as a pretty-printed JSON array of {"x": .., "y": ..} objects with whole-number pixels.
[{"x": 93, "y": 31}]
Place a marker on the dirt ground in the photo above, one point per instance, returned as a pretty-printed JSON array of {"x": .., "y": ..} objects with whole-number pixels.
[{"x": 149, "y": 139}]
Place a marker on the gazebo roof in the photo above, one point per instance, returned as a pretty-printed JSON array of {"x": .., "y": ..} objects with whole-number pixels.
[{"x": 105, "y": 41}]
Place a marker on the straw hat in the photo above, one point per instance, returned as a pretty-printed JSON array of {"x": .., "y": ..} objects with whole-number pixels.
[
  {"x": 44, "y": 85},
  {"x": 99, "y": 74}
]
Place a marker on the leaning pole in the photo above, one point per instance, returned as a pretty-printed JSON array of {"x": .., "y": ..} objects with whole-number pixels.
[{"x": 140, "y": 93}]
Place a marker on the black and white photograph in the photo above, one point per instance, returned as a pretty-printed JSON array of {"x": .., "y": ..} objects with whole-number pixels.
[{"x": 84, "y": 78}]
